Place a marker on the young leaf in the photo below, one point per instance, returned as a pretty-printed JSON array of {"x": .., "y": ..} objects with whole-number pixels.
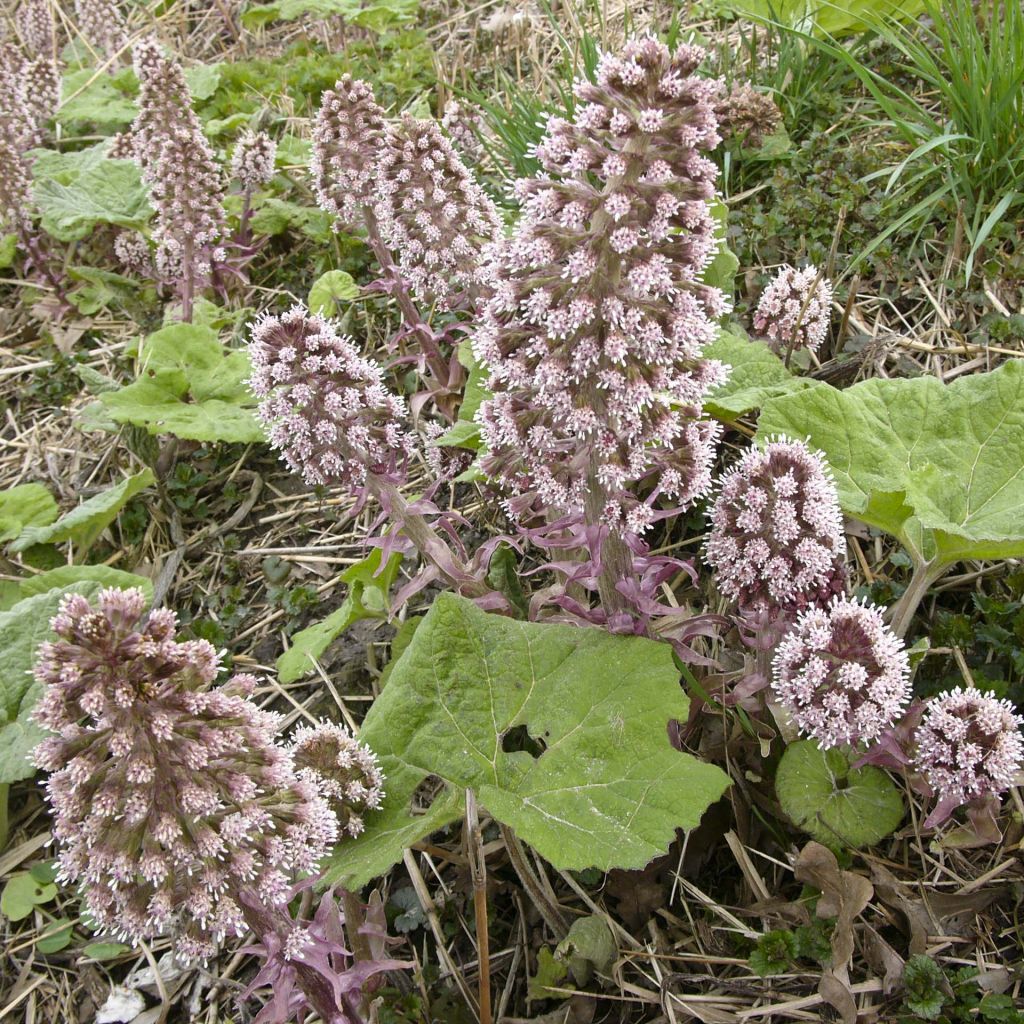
[
  {"x": 25, "y": 505},
  {"x": 935, "y": 465},
  {"x": 757, "y": 375},
  {"x": 836, "y": 804},
  {"x": 589, "y": 947},
  {"x": 22, "y": 629},
  {"x": 774, "y": 953},
  {"x": 84, "y": 524},
  {"x": 77, "y": 191},
  {"x": 607, "y": 790},
  {"x": 22, "y": 894},
  {"x": 923, "y": 979},
  {"x": 329, "y": 289},
  {"x": 367, "y": 598},
  {"x": 56, "y": 936},
  {"x": 189, "y": 386}
]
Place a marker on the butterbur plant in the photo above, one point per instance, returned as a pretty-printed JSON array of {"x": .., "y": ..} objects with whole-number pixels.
[
  {"x": 252, "y": 165},
  {"x": 176, "y": 808},
  {"x": 794, "y": 310}
]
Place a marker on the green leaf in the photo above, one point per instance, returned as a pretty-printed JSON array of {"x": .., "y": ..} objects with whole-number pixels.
[
  {"x": 105, "y": 950},
  {"x": 774, "y": 953},
  {"x": 22, "y": 629},
  {"x": 367, "y": 598},
  {"x": 202, "y": 80},
  {"x": 824, "y": 16},
  {"x": 607, "y": 791},
  {"x": 551, "y": 973},
  {"x": 8, "y": 250},
  {"x": 94, "y": 98},
  {"x": 721, "y": 271},
  {"x": 923, "y": 978},
  {"x": 84, "y": 524},
  {"x": 77, "y": 191},
  {"x": 376, "y": 16},
  {"x": 56, "y": 936},
  {"x": 22, "y": 894},
  {"x": 937, "y": 466},
  {"x": 190, "y": 386},
  {"x": 465, "y": 432},
  {"x": 331, "y": 288},
  {"x": 25, "y": 505},
  {"x": 274, "y": 216},
  {"x": 757, "y": 375},
  {"x": 836, "y": 804},
  {"x": 44, "y": 871},
  {"x": 589, "y": 946},
  {"x": 101, "y": 575},
  {"x": 100, "y": 289}
]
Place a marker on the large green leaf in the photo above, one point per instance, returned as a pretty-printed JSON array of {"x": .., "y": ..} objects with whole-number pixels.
[
  {"x": 84, "y": 524},
  {"x": 366, "y": 599},
  {"x": 25, "y": 505},
  {"x": 607, "y": 789},
  {"x": 189, "y": 385},
  {"x": 941, "y": 467},
  {"x": 96, "y": 98},
  {"x": 77, "y": 191},
  {"x": 757, "y": 375},
  {"x": 22, "y": 630},
  {"x": 100, "y": 575},
  {"x": 377, "y": 16},
  {"x": 826, "y": 16}
]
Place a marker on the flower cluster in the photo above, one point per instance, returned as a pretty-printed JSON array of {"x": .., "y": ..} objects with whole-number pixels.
[
  {"x": 464, "y": 125},
  {"x": 170, "y": 796},
  {"x": 968, "y": 745},
  {"x": 748, "y": 114},
  {"x": 776, "y": 537},
  {"x": 794, "y": 309},
  {"x": 842, "y": 674},
  {"x": 18, "y": 124},
  {"x": 132, "y": 251},
  {"x": 347, "y": 136},
  {"x": 252, "y": 162},
  {"x": 35, "y": 26},
  {"x": 42, "y": 91},
  {"x": 432, "y": 212},
  {"x": 102, "y": 25},
  {"x": 326, "y": 408},
  {"x": 186, "y": 184},
  {"x": 598, "y": 315},
  {"x": 343, "y": 770},
  {"x": 15, "y": 185}
]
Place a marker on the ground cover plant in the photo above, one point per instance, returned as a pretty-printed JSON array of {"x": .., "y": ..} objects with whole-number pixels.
[{"x": 510, "y": 514}]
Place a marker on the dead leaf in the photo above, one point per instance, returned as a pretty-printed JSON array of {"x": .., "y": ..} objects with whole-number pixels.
[
  {"x": 883, "y": 959},
  {"x": 578, "y": 1010},
  {"x": 895, "y": 895},
  {"x": 844, "y": 895},
  {"x": 836, "y": 992}
]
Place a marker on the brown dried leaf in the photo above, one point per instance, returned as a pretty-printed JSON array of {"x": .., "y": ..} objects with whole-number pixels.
[
  {"x": 836, "y": 992},
  {"x": 883, "y": 959}
]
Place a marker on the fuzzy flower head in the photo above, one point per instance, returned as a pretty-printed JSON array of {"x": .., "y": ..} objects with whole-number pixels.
[
  {"x": 748, "y": 114},
  {"x": 35, "y": 26},
  {"x": 252, "y": 163},
  {"x": 969, "y": 745},
  {"x": 343, "y": 770},
  {"x": 325, "y": 407},
  {"x": 794, "y": 309},
  {"x": 432, "y": 212},
  {"x": 42, "y": 91},
  {"x": 169, "y": 795},
  {"x": 776, "y": 536},
  {"x": 842, "y": 674},
  {"x": 464, "y": 125},
  {"x": 15, "y": 187},
  {"x": 132, "y": 252},
  {"x": 598, "y": 314},
  {"x": 102, "y": 24},
  {"x": 347, "y": 136}
]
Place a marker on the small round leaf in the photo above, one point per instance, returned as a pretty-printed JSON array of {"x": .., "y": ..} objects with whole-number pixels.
[{"x": 836, "y": 804}]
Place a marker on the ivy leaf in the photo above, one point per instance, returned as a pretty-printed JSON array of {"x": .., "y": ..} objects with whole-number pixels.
[
  {"x": 367, "y": 598},
  {"x": 836, "y": 804},
  {"x": 607, "y": 790},
  {"x": 940, "y": 467},
  {"x": 758, "y": 375},
  {"x": 329, "y": 289},
  {"x": 77, "y": 191},
  {"x": 25, "y": 505},
  {"x": 189, "y": 386},
  {"x": 22, "y": 629},
  {"x": 923, "y": 979},
  {"x": 84, "y": 524}
]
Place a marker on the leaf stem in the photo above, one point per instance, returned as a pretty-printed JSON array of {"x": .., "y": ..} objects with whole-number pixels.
[{"x": 923, "y": 576}]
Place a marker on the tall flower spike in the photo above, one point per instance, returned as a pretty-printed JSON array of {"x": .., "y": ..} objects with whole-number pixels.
[
  {"x": 343, "y": 770},
  {"x": 42, "y": 91},
  {"x": 35, "y": 26},
  {"x": 842, "y": 674},
  {"x": 347, "y": 135},
  {"x": 968, "y": 745},
  {"x": 795, "y": 309},
  {"x": 776, "y": 539},
  {"x": 170, "y": 797},
  {"x": 594, "y": 332},
  {"x": 326, "y": 408},
  {"x": 433, "y": 214},
  {"x": 464, "y": 125},
  {"x": 102, "y": 24},
  {"x": 252, "y": 163},
  {"x": 186, "y": 184}
]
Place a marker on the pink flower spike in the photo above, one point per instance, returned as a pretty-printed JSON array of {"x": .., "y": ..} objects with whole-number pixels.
[
  {"x": 842, "y": 674},
  {"x": 795, "y": 309}
]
